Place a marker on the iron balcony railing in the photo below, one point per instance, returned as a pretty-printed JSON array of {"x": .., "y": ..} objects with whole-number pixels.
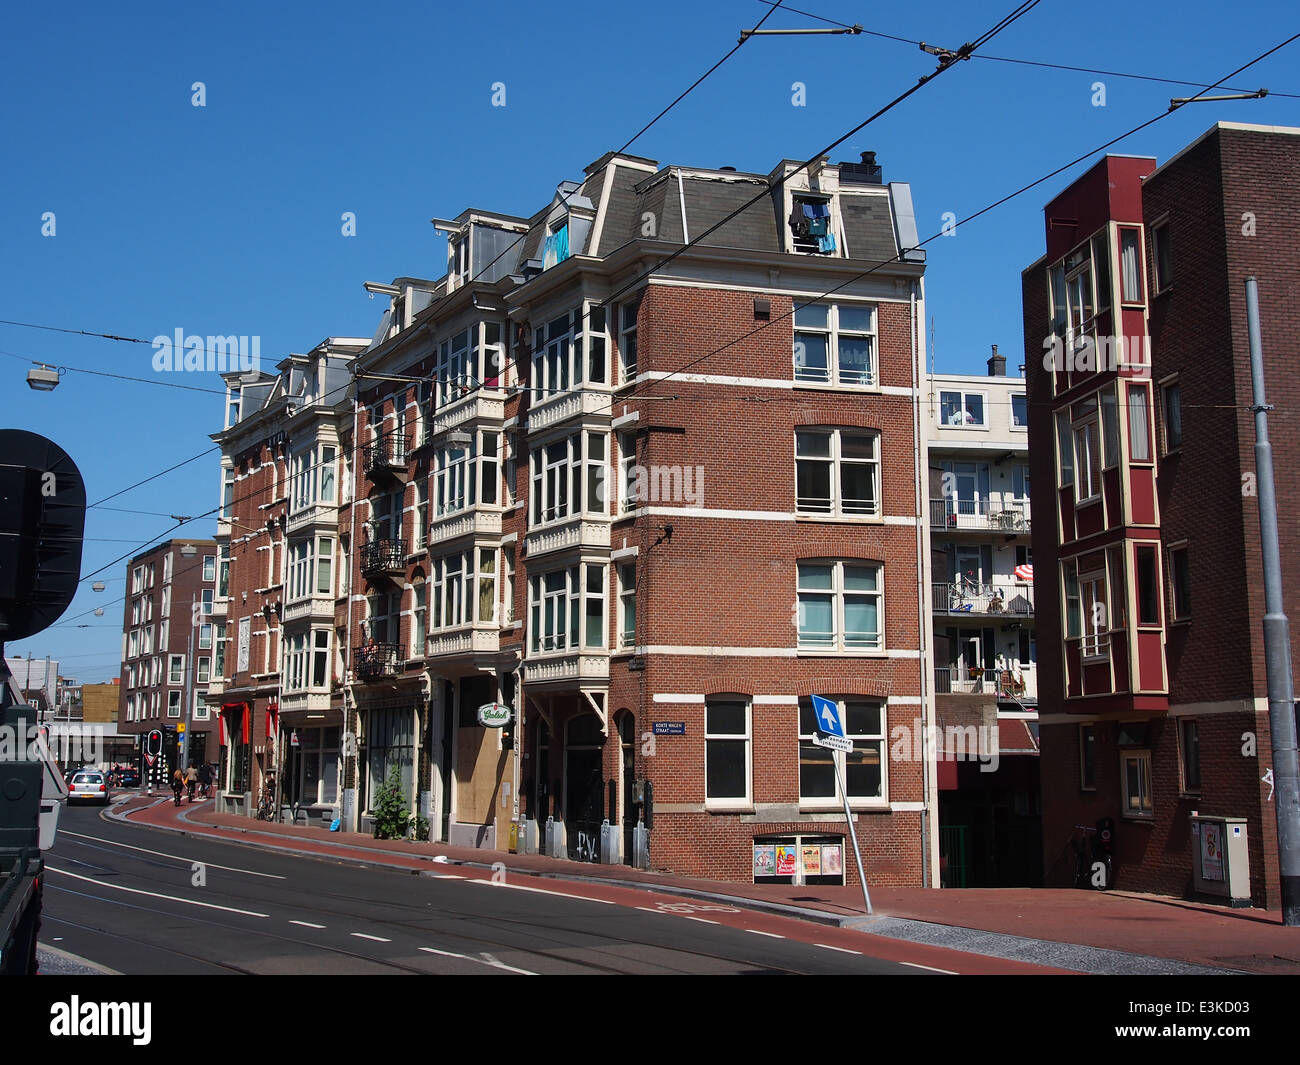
[
  {"x": 980, "y": 515},
  {"x": 383, "y": 556},
  {"x": 375, "y": 661},
  {"x": 387, "y": 454},
  {"x": 975, "y": 680},
  {"x": 996, "y": 599}
]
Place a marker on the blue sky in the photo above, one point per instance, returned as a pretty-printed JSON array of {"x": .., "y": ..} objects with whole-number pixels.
[{"x": 225, "y": 219}]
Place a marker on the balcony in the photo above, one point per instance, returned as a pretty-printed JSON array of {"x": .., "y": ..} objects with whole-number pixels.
[
  {"x": 575, "y": 667},
  {"x": 387, "y": 455},
  {"x": 1016, "y": 683},
  {"x": 474, "y": 521},
  {"x": 553, "y": 410},
  {"x": 463, "y": 641},
  {"x": 375, "y": 661},
  {"x": 315, "y": 607},
  {"x": 981, "y": 515},
  {"x": 322, "y": 514},
  {"x": 485, "y": 405},
  {"x": 383, "y": 558},
  {"x": 998, "y": 599},
  {"x": 575, "y": 531}
]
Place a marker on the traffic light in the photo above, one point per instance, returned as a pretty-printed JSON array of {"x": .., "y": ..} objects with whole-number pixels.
[{"x": 153, "y": 743}]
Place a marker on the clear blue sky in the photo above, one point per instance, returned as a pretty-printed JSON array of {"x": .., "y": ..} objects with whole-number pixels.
[{"x": 225, "y": 219}]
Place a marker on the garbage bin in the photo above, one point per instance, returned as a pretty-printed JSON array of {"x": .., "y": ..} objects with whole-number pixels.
[{"x": 1221, "y": 859}]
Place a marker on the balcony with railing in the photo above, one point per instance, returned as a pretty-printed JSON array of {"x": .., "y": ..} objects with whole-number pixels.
[
  {"x": 376, "y": 661},
  {"x": 381, "y": 558},
  {"x": 387, "y": 455},
  {"x": 1007, "y": 599},
  {"x": 1008, "y": 515},
  {"x": 1014, "y": 684}
]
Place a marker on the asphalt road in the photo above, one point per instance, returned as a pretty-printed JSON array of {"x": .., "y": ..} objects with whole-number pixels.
[{"x": 141, "y": 901}]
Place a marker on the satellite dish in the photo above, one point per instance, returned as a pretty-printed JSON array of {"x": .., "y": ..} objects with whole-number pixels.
[{"x": 42, "y": 519}]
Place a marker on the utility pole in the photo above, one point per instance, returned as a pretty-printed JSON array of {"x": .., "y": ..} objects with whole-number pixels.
[
  {"x": 1277, "y": 637},
  {"x": 189, "y": 683}
]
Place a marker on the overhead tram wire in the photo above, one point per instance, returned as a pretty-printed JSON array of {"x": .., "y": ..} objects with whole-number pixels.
[
  {"x": 945, "y": 64},
  {"x": 971, "y": 217},
  {"x": 1028, "y": 62}
]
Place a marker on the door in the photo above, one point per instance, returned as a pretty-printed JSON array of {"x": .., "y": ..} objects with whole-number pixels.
[
  {"x": 627, "y": 742},
  {"x": 583, "y": 787}
]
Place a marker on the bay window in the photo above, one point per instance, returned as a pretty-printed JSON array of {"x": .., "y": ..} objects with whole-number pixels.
[
  {"x": 568, "y": 477},
  {"x": 466, "y": 475},
  {"x": 567, "y": 609},
  {"x": 464, "y": 589},
  {"x": 1087, "y": 451}
]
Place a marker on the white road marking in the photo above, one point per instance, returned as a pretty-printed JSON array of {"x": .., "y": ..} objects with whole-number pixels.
[
  {"x": 702, "y": 920},
  {"x": 307, "y": 924},
  {"x": 770, "y": 935},
  {"x": 540, "y": 891},
  {"x": 502, "y": 965},
  {"x": 446, "y": 876},
  {"x": 647, "y": 909},
  {"x": 448, "y": 954},
  {"x": 175, "y": 857},
  {"x": 377, "y": 939},
  {"x": 153, "y": 894},
  {"x": 928, "y": 968},
  {"x": 842, "y": 950}
]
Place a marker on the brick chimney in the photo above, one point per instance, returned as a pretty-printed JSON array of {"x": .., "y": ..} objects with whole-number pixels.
[{"x": 997, "y": 364}]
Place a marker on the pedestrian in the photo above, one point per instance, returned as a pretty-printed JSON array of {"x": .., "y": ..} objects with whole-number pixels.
[{"x": 205, "y": 780}]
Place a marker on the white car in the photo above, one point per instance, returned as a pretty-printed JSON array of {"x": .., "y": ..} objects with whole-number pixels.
[{"x": 88, "y": 785}]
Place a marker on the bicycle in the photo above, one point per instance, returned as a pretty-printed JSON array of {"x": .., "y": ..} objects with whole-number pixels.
[{"x": 266, "y": 807}]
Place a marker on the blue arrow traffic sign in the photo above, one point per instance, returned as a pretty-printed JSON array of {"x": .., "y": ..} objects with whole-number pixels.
[{"x": 828, "y": 717}]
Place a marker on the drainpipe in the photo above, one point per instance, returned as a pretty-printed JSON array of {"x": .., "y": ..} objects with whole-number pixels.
[
  {"x": 349, "y": 703},
  {"x": 922, "y": 562}
]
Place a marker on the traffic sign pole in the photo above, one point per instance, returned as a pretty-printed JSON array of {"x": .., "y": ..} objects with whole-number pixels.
[{"x": 848, "y": 816}]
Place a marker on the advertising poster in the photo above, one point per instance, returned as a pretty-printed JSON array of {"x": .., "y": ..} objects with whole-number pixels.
[
  {"x": 764, "y": 859},
  {"x": 787, "y": 859},
  {"x": 832, "y": 859},
  {"x": 812, "y": 860},
  {"x": 1211, "y": 851}
]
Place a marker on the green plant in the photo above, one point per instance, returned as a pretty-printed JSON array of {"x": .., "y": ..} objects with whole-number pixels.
[
  {"x": 391, "y": 816},
  {"x": 420, "y": 828}
]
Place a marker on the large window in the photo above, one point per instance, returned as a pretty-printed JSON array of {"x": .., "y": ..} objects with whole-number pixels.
[
  {"x": 835, "y": 344},
  {"x": 627, "y": 343},
  {"x": 572, "y": 350},
  {"x": 1096, "y": 620},
  {"x": 176, "y": 669},
  {"x": 568, "y": 477},
  {"x": 1139, "y": 431},
  {"x": 464, "y": 589},
  {"x": 1087, "y": 451},
  {"x": 307, "y": 661},
  {"x": 390, "y": 741},
  {"x": 312, "y": 476},
  {"x": 311, "y": 566},
  {"x": 839, "y": 606},
  {"x": 726, "y": 752},
  {"x": 1130, "y": 264},
  {"x": 466, "y": 475},
  {"x": 862, "y": 769},
  {"x": 837, "y": 472},
  {"x": 567, "y": 609}
]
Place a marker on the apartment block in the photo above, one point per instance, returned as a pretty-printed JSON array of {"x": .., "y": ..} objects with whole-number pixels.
[
  {"x": 1146, "y": 525},
  {"x": 169, "y": 642}
]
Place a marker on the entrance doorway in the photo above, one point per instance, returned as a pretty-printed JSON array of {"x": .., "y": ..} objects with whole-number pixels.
[
  {"x": 583, "y": 787},
  {"x": 627, "y": 745}
]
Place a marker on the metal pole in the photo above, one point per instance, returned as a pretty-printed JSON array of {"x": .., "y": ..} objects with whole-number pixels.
[
  {"x": 848, "y": 816},
  {"x": 189, "y": 682},
  {"x": 1277, "y": 637}
]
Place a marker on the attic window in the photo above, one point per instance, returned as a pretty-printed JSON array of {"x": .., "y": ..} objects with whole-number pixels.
[
  {"x": 556, "y": 249},
  {"x": 810, "y": 225}
]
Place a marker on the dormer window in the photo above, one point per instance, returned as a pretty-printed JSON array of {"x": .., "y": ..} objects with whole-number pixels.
[
  {"x": 811, "y": 228},
  {"x": 556, "y": 249}
]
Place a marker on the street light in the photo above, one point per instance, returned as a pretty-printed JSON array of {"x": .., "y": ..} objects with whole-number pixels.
[
  {"x": 98, "y": 586},
  {"x": 42, "y": 378}
]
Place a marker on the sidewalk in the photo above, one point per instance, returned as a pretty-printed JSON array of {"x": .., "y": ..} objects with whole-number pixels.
[{"x": 1022, "y": 923}]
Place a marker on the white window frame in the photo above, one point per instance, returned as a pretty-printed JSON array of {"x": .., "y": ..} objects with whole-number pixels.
[
  {"x": 628, "y": 351},
  {"x": 861, "y": 741},
  {"x": 731, "y": 802},
  {"x": 835, "y": 376},
  {"x": 1145, "y": 799},
  {"x": 964, "y": 409},
  {"x": 174, "y": 704},
  {"x": 836, "y": 643},
  {"x": 626, "y": 639},
  {"x": 175, "y": 669},
  {"x": 835, "y": 505}
]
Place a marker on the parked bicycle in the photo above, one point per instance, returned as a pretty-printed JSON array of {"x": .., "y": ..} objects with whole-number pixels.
[
  {"x": 266, "y": 810},
  {"x": 1094, "y": 866}
]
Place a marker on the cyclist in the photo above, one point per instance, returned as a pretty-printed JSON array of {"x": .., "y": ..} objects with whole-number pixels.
[
  {"x": 205, "y": 780},
  {"x": 191, "y": 781},
  {"x": 178, "y": 784}
]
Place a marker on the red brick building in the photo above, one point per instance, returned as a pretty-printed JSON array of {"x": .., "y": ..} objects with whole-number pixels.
[
  {"x": 653, "y": 497},
  {"x": 169, "y": 598},
  {"x": 1146, "y": 528}
]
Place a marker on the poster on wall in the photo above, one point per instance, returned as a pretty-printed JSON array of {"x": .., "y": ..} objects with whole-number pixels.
[
  {"x": 832, "y": 859},
  {"x": 1211, "y": 851},
  {"x": 787, "y": 859},
  {"x": 764, "y": 859},
  {"x": 812, "y": 860}
]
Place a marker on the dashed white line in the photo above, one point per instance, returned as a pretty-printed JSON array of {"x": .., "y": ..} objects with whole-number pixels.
[
  {"x": 842, "y": 950},
  {"x": 928, "y": 968},
  {"x": 446, "y": 876},
  {"x": 153, "y": 894},
  {"x": 448, "y": 954},
  {"x": 540, "y": 891},
  {"x": 307, "y": 924},
  {"x": 771, "y": 935},
  {"x": 702, "y": 920},
  {"x": 502, "y": 965},
  {"x": 376, "y": 939}
]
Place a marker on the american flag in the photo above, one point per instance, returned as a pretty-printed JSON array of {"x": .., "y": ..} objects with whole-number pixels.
[{"x": 1025, "y": 573}]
